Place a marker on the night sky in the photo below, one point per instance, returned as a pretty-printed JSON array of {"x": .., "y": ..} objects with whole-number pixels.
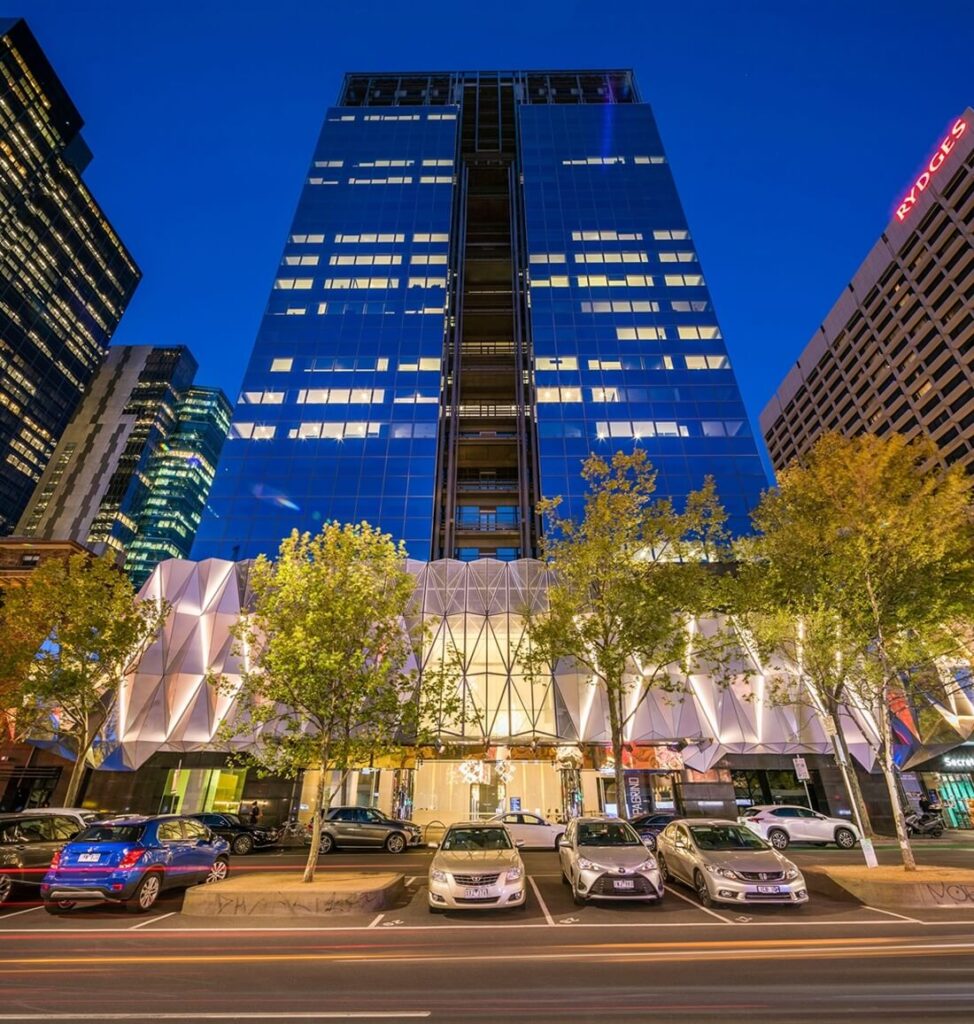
[{"x": 792, "y": 128}]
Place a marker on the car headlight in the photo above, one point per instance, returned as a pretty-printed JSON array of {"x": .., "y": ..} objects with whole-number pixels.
[
  {"x": 649, "y": 864},
  {"x": 791, "y": 874},
  {"x": 722, "y": 872},
  {"x": 437, "y": 876},
  {"x": 514, "y": 874},
  {"x": 588, "y": 865}
]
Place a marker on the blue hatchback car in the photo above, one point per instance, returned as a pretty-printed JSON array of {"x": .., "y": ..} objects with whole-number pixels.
[{"x": 131, "y": 861}]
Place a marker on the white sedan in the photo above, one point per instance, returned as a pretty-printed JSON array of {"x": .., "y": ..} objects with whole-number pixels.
[
  {"x": 531, "y": 829},
  {"x": 782, "y": 824}
]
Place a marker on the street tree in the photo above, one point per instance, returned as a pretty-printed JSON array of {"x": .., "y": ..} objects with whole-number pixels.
[
  {"x": 627, "y": 578},
  {"x": 328, "y": 654},
  {"x": 870, "y": 547},
  {"x": 85, "y": 628}
]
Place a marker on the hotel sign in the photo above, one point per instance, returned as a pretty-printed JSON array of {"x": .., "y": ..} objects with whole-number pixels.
[{"x": 934, "y": 164}]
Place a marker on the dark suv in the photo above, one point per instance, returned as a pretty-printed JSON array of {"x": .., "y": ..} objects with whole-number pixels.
[
  {"x": 242, "y": 836},
  {"x": 366, "y": 827},
  {"x": 28, "y": 842}
]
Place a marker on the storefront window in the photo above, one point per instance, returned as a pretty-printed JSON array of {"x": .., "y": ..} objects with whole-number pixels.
[{"x": 189, "y": 791}]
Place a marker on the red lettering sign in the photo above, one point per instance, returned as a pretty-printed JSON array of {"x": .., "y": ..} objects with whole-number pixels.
[{"x": 936, "y": 162}]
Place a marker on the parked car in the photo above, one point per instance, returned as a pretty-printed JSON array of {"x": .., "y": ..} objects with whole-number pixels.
[
  {"x": 725, "y": 862},
  {"x": 649, "y": 826},
  {"x": 132, "y": 861},
  {"x": 476, "y": 867},
  {"x": 531, "y": 829},
  {"x": 241, "y": 835},
  {"x": 604, "y": 858},
  {"x": 81, "y": 815},
  {"x": 358, "y": 827},
  {"x": 28, "y": 841},
  {"x": 782, "y": 824}
]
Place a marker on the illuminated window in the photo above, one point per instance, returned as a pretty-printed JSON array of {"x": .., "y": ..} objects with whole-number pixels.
[
  {"x": 373, "y": 259},
  {"x": 301, "y": 261},
  {"x": 552, "y": 282},
  {"x": 698, "y": 333},
  {"x": 547, "y": 257},
  {"x": 707, "y": 363},
  {"x": 441, "y": 117},
  {"x": 322, "y": 181},
  {"x": 242, "y": 430},
  {"x": 341, "y": 396},
  {"x": 589, "y": 161},
  {"x": 611, "y": 257},
  {"x": 329, "y": 163},
  {"x": 361, "y": 282},
  {"x": 394, "y": 180},
  {"x": 386, "y": 163},
  {"x": 697, "y": 306},
  {"x": 620, "y": 306},
  {"x": 309, "y": 239},
  {"x": 424, "y": 365},
  {"x": 341, "y": 239},
  {"x": 670, "y": 236},
  {"x": 677, "y": 280},
  {"x": 640, "y": 429},
  {"x": 426, "y": 282},
  {"x": 602, "y": 281},
  {"x": 430, "y": 238},
  {"x": 604, "y": 364},
  {"x": 606, "y": 236},
  {"x": 436, "y": 180},
  {"x": 559, "y": 394},
  {"x": 641, "y": 333},
  {"x": 391, "y": 117},
  {"x": 344, "y": 117},
  {"x": 438, "y": 163},
  {"x": 677, "y": 257},
  {"x": 436, "y": 259},
  {"x": 555, "y": 363},
  {"x": 287, "y": 284},
  {"x": 605, "y": 395},
  {"x": 262, "y": 433},
  {"x": 649, "y": 160},
  {"x": 281, "y": 365}
]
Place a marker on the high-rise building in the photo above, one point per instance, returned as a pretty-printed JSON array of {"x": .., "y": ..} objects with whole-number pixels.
[
  {"x": 95, "y": 484},
  {"x": 896, "y": 352},
  {"x": 65, "y": 277},
  {"x": 488, "y": 276},
  {"x": 178, "y": 477}
]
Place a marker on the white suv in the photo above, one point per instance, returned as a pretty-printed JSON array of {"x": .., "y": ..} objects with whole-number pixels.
[{"x": 787, "y": 823}]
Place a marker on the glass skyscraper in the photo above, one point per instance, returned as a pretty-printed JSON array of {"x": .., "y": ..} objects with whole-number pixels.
[{"x": 489, "y": 275}]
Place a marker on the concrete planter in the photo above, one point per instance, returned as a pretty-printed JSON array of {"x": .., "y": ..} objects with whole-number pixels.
[
  {"x": 908, "y": 893},
  {"x": 280, "y": 894}
]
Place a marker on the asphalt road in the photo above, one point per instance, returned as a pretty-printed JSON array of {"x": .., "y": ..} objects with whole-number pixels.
[{"x": 830, "y": 961}]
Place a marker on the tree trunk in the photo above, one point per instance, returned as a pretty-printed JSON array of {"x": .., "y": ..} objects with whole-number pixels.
[
  {"x": 78, "y": 769},
  {"x": 318, "y": 808},
  {"x": 855, "y": 790},
  {"x": 614, "y": 694},
  {"x": 889, "y": 773}
]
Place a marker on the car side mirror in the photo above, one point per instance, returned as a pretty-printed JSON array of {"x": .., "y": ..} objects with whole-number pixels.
[
  {"x": 562, "y": 841},
  {"x": 682, "y": 844},
  {"x": 519, "y": 843},
  {"x": 433, "y": 846}
]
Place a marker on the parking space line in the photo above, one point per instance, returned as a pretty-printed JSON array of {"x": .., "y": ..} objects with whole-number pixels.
[
  {"x": 376, "y": 920},
  {"x": 411, "y": 879},
  {"x": 693, "y": 903},
  {"x": 544, "y": 906},
  {"x": 152, "y": 920},
  {"x": 902, "y": 917},
  {"x": 17, "y": 913}
]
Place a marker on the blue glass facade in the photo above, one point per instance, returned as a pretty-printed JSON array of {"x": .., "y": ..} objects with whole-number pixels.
[
  {"x": 337, "y": 416},
  {"x": 627, "y": 348},
  {"x": 488, "y": 276}
]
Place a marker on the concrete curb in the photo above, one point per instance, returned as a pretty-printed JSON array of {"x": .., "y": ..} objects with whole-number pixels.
[
  {"x": 285, "y": 895},
  {"x": 948, "y": 895}
]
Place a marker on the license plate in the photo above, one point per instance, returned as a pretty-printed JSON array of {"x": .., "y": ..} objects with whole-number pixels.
[
  {"x": 623, "y": 883},
  {"x": 769, "y": 888},
  {"x": 476, "y": 894},
  {"x": 89, "y": 858}
]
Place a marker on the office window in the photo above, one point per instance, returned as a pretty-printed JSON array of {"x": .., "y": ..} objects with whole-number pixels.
[
  {"x": 307, "y": 239},
  {"x": 555, "y": 363},
  {"x": 547, "y": 257},
  {"x": 386, "y": 163},
  {"x": 620, "y": 306},
  {"x": 698, "y": 333},
  {"x": 672, "y": 235},
  {"x": 641, "y": 333},
  {"x": 605, "y": 395},
  {"x": 649, "y": 160},
  {"x": 287, "y": 284},
  {"x": 677, "y": 257},
  {"x": 435, "y": 259},
  {"x": 426, "y": 282},
  {"x": 361, "y": 282},
  {"x": 680, "y": 280},
  {"x": 559, "y": 394},
  {"x": 590, "y": 161},
  {"x": 551, "y": 282},
  {"x": 607, "y": 236},
  {"x": 281, "y": 365},
  {"x": 604, "y": 281},
  {"x": 372, "y": 259},
  {"x": 429, "y": 237},
  {"x": 611, "y": 257},
  {"x": 707, "y": 363},
  {"x": 368, "y": 238},
  {"x": 300, "y": 261}
]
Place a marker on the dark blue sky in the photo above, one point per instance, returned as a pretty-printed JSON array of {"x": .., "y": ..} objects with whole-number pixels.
[{"x": 792, "y": 128}]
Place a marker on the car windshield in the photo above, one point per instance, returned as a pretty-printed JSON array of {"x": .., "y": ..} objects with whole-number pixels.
[
  {"x": 108, "y": 833},
  {"x": 726, "y": 837},
  {"x": 607, "y": 833},
  {"x": 477, "y": 839},
  {"x": 234, "y": 819},
  {"x": 750, "y": 812}
]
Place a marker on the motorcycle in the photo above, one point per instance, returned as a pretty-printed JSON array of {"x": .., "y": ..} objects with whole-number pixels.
[{"x": 929, "y": 823}]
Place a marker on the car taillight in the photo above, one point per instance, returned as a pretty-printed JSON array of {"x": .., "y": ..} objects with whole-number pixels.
[
  {"x": 56, "y": 859},
  {"x": 130, "y": 857}
]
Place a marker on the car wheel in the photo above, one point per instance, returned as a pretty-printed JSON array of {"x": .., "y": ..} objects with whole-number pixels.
[
  {"x": 664, "y": 871},
  {"x": 558, "y": 839},
  {"x": 579, "y": 899},
  {"x": 703, "y": 893},
  {"x": 650, "y": 841},
  {"x": 564, "y": 879},
  {"x": 845, "y": 838},
  {"x": 218, "y": 871},
  {"x": 937, "y": 833},
  {"x": 395, "y": 843},
  {"x": 59, "y": 906},
  {"x": 145, "y": 895},
  {"x": 6, "y": 888},
  {"x": 778, "y": 838},
  {"x": 327, "y": 843},
  {"x": 242, "y": 845}
]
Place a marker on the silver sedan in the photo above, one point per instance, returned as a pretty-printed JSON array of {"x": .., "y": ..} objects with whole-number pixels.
[
  {"x": 604, "y": 858},
  {"x": 727, "y": 863},
  {"x": 477, "y": 867}
]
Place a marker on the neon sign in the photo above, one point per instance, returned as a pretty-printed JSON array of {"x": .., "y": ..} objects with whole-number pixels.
[{"x": 910, "y": 200}]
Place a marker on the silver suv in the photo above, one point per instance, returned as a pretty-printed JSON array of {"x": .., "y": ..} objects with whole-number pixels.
[{"x": 364, "y": 827}]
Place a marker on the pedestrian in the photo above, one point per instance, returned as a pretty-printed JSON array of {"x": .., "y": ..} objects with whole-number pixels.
[{"x": 254, "y": 813}]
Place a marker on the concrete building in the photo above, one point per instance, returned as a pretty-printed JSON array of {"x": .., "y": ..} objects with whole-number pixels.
[{"x": 896, "y": 351}]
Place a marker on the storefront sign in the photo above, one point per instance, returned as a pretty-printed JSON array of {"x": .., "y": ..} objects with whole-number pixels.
[
  {"x": 935, "y": 163},
  {"x": 962, "y": 761},
  {"x": 634, "y": 794}
]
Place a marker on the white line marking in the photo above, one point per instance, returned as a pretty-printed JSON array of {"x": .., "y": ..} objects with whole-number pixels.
[
  {"x": 902, "y": 917},
  {"x": 411, "y": 879},
  {"x": 151, "y": 920},
  {"x": 376, "y": 920},
  {"x": 544, "y": 908},
  {"x": 17, "y": 913},
  {"x": 693, "y": 903}
]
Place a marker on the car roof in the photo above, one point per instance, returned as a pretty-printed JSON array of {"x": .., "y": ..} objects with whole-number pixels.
[
  {"x": 476, "y": 824},
  {"x": 598, "y": 819},
  {"x": 707, "y": 821}
]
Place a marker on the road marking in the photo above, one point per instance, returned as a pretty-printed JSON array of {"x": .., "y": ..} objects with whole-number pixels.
[
  {"x": 315, "y": 1015},
  {"x": 693, "y": 903},
  {"x": 376, "y": 920},
  {"x": 152, "y": 920},
  {"x": 411, "y": 879},
  {"x": 17, "y": 913},
  {"x": 902, "y": 917},
  {"x": 544, "y": 906}
]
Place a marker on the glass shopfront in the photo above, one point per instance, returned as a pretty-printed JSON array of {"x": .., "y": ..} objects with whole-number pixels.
[{"x": 949, "y": 784}]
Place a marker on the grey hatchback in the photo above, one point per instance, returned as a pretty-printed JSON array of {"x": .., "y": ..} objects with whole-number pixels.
[
  {"x": 362, "y": 827},
  {"x": 28, "y": 842}
]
